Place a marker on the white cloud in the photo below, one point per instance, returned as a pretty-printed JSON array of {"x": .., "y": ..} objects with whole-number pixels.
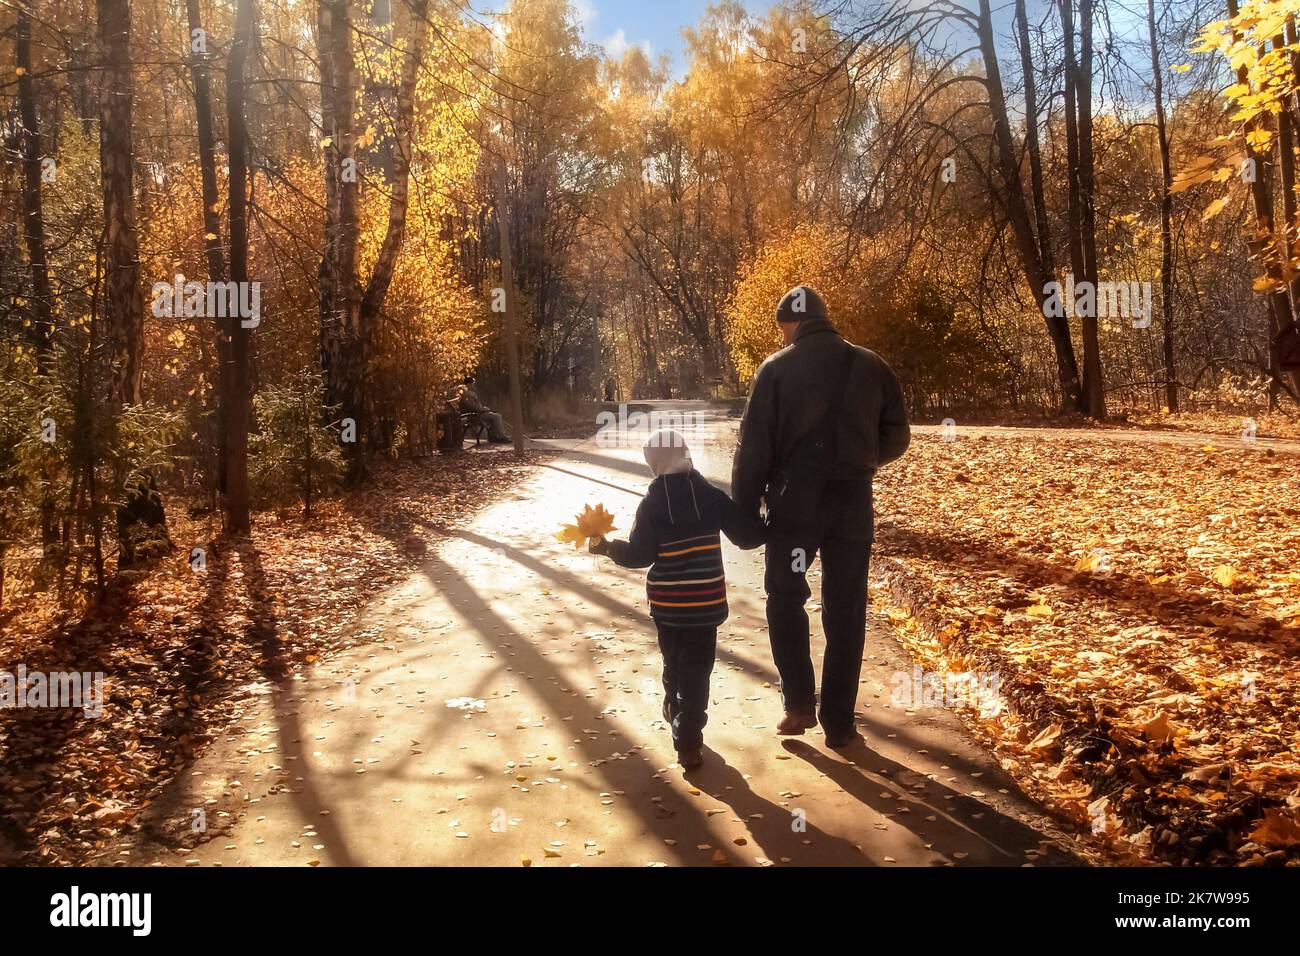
[
  {"x": 585, "y": 12},
  {"x": 616, "y": 45}
]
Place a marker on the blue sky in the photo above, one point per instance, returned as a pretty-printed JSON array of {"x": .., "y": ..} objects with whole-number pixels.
[
  {"x": 657, "y": 25},
  {"x": 619, "y": 24}
]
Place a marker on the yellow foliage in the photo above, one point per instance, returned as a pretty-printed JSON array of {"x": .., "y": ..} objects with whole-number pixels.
[
  {"x": 591, "y": 523},
  {"x": 809, "y": 255}
]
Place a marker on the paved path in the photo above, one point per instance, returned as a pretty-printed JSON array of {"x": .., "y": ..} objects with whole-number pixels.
[{"x": 510, "y": 714}]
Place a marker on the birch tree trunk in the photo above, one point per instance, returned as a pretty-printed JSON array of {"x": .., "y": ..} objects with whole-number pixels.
[
  {"x": 342, "y": 343},
  {"x": 399, "y": 184}
]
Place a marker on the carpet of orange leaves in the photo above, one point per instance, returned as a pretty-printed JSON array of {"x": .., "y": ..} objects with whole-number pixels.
[
  {"x": 1140, "y": 604},
  {"x": 180, "y": 648}
]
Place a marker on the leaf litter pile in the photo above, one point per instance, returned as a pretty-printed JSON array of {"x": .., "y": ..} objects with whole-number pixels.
[
  {"x": 1140, "y": 606},
  {"x": 180, "y": 649}
]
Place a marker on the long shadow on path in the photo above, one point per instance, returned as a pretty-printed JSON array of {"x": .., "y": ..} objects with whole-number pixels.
[
  {"x": 992, "y": 839},
  {"x": 632, "y": 772},
  {"x": 777, "y": 830}
]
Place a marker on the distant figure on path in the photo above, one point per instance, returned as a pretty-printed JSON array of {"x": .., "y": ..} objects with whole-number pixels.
[{"x": 822, "y": 416}]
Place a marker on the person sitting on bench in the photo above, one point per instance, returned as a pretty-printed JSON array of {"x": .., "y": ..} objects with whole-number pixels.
[{"x": 467, "y": 400}]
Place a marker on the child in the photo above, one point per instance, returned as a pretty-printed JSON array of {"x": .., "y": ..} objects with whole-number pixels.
[{"x": 676, "y": 534}]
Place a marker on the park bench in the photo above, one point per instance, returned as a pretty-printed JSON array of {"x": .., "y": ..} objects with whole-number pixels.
[
  {"x": 454, "y": 426},
  {"x": 473, "y": 426}
]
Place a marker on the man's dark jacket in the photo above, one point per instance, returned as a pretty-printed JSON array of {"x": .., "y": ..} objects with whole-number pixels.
[{"x": 790, "y": 399}]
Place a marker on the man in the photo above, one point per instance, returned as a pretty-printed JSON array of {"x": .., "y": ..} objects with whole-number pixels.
[
  {"x": 467, "y": 400},
  {"x": 823, "y": 415}
]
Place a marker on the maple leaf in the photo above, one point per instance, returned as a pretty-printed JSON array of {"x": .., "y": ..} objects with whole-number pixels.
[
  {"x": 1046, "y": 740},
  {"x": 570, "y": 533},
  {"x": 1160, "y": 728},
  {"x": 591, "y": 523},
  {"x": 1277, "y": 829},
  {"x": 595, "y": 522}
]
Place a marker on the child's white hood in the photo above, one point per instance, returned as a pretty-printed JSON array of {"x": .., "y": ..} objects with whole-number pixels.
[{"x": 666, "y": 453}]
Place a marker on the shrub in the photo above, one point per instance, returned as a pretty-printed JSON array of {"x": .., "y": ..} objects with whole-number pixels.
[{"x": 294, "y": 454}]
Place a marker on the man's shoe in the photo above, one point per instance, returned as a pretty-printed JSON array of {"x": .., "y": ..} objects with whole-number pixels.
[
  {"x": 690, "y": 759},
  {"x": 796, "y": 721},
  {"x": 842, "y": 741}
]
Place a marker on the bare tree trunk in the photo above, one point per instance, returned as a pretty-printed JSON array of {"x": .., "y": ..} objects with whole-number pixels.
[
  {"x": 1291, "y": 228},
  {"x": 1082, "y": 239},
  {"x": 1031, "y": 143},
  {"x": 211, "y": 217},
  {"x": 41, "y": 300},
  {"x": 1166, "y": 220},
  {"x": 512, "y": 343},
  {"x": 343, "y": 358},
  {"x": 235, "y": 396},
  {"x": 1013, "y": 198},
  {"x": 1093, "y": 381},
  {"x": 42, "y": 327},
  {"x": 123, "y": 306},
  {"x": 1286, "y": 162}
]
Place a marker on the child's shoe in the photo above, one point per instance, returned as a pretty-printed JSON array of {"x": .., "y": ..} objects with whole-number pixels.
[{"x": 690, "y": 759}]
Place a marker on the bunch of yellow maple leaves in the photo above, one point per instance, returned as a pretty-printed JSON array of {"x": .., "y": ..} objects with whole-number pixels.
[{"x": 592, "y": 524}]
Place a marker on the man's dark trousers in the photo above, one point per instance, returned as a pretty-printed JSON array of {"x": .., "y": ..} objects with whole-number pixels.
[
  {"x": 841, "y": 533},
  {"x": 688, "y": 654}
]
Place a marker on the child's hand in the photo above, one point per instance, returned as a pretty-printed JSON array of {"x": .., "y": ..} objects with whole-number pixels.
[{"x": 597, "y": 545}]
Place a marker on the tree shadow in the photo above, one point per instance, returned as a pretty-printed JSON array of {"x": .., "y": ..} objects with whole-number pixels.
[
  {"x": 34, "y": 742},
  {"x": 275, "y": 664},
  {"x": 1140, "y": 597},
  {"x": 629, "y": 772},
  {"x": 594, "y": 595},
  {"x": 170, "y": 817},
  {"x": 609, "y": 462},
  {"x": 781, "y": 833},
  {"x": 992, "y": 840}
]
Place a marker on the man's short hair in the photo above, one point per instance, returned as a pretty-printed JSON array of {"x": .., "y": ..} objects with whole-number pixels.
[{"x": 800, "y": 303}]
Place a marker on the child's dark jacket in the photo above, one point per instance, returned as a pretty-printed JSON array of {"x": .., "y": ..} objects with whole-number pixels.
[{"x": 676, "y": 533}]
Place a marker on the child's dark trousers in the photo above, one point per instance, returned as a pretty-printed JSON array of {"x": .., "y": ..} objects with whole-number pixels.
[{"x": 688, "y": 661}]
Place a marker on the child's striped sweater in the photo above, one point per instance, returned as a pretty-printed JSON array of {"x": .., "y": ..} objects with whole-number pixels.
[{"x": 676, "y": 533}]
